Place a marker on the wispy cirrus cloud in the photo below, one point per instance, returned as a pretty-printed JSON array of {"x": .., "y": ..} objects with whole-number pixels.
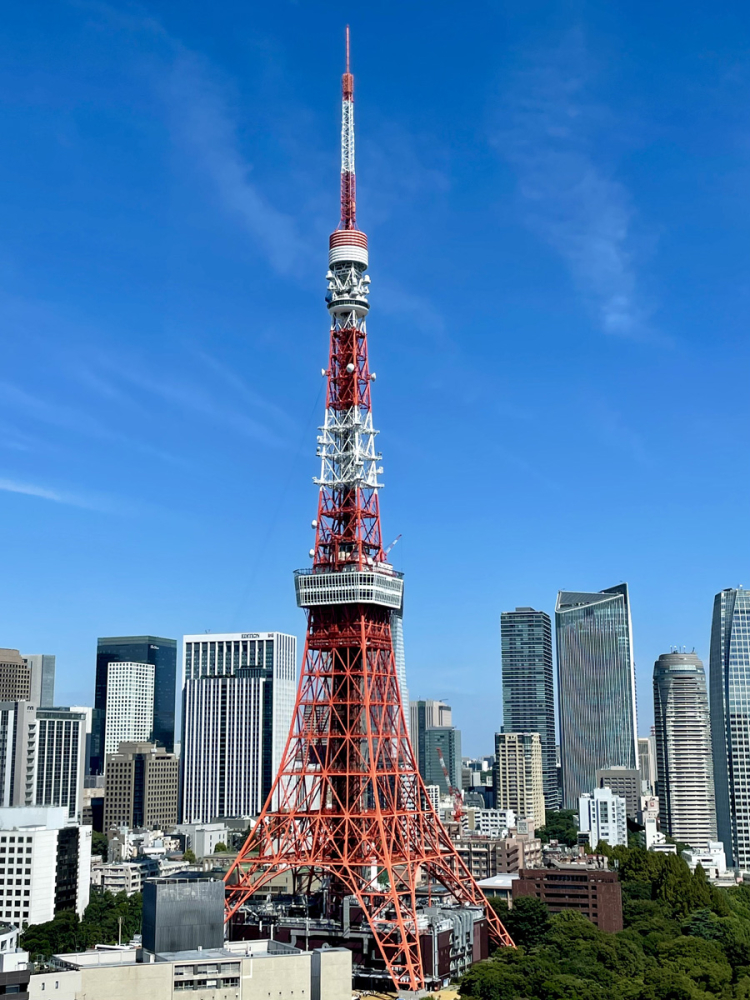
[
  {"x": 552, "y": 133},
  {"x": 87, "y": 502}
]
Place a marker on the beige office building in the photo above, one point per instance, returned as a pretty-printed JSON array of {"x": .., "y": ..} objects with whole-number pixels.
[
  {"x": 518, "y": 775},
  {"x": 141, "y": 787}
]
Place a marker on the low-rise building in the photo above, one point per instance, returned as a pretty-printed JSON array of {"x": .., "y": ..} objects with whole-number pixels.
[
  {"x": 489, "y": 856},
  {"x": 602, "y": 816},
  {"x": 593, "y": 892},
  {"x": 203, "y": 838},
  {"x": 713, "y": 860}
]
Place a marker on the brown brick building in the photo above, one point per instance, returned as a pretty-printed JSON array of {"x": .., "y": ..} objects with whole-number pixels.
[
  {"x": 140, "y": 787},
  {"x": 591, "y": 891}
]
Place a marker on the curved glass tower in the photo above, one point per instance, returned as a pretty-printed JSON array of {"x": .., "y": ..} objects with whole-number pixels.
[
  {"x": 596, "y": 687},
  {"x": 730, "y": 722}
]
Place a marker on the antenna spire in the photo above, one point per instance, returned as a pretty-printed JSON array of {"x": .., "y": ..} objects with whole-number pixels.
[{"x": 348, "y": 180}]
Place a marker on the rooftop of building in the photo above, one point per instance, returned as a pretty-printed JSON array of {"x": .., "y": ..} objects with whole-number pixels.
[{"x": 133, "y": 955}]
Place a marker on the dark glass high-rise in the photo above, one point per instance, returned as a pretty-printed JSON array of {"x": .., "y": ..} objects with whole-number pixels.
[{"x": 160, "y": 652}]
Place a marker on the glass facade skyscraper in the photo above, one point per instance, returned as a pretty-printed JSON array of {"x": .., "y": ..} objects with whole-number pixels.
[
  {"x": 162, "y": 653},
  {"x": 730, "y": 722},
  {"x": 528, "y": 686},
  {"x": 683, "y": 750},
  {"x": 596, "y": 687}
]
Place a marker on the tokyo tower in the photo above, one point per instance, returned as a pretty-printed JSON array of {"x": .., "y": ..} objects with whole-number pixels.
[{"x": 348, "y": 806}]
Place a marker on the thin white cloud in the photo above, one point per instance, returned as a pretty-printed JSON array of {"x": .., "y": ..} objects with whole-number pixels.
[
  {"x": 553, "y": 135},
  {"x": 56, "y": 496}
]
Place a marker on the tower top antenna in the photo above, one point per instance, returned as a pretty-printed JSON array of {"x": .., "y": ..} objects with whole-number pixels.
[{"x": 347, "y": 48}]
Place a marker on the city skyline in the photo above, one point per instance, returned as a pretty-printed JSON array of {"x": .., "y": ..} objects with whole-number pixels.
[{"x": 144, "y": 338}]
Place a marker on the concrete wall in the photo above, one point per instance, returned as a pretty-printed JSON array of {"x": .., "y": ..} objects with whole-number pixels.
[
  {"x": 126, "y": 982},
  {"x": 60, "y": 985},
  {"x": 331, "y": 974},
  {"x": 280, "y": 978}
]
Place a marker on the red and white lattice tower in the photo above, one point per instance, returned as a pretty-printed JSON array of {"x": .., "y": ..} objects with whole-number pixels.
[{"x": 348, "y": 803}]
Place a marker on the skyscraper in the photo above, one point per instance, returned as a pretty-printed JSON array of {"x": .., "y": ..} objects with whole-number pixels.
[
  {"x": 141, "y": 787},
  {"x": 42, "y": 667},
  {"x": 683, "y": 749},
  {"x": 238, "y": 702},
  {"x": 519, "y": 775},
  {"x": 162, "y": 653},
  {"x": 130, "y": 705},
  {"x": 15, "y": 676},
  {"x": 528, "y": 685},
  {"x": 596, "y": 686},
  {"x": 397, "y": 635},
  {"x": 647, "y": 762},
  {"x": 447, "y": 739},
  {"x": 423, "y": 715},
  {"x": 730, "y": 722}
]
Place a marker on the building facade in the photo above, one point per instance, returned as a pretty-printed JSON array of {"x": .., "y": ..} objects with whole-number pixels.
[
  {"x": 603, "y": 816},
  {"x": 399, "y": 656},
  {"x": 15, "y": 676},
  {"x": 528, "y": 685},
  {"x": 161, "y": 653},
  {"x": 141, "y": 787},
  {"x": 595, "y": 893},
  {"x": 42, "y": 666},
  {"x": 684, "y": 758},
  {"x": 729, "y": 680},
  {"x": 45, "y": 864},
  {"x": 238, "y": 703},
  {"x": 625, "y": 782},
  {"x": 596, "y": 686},
  {"x": 647, "y": 763},
  {"x": 426, "y": 714},
  {"x": 447, "y": 740},
  {"x": 130, "y": 705},
  {"x": 519, "y": 783}
]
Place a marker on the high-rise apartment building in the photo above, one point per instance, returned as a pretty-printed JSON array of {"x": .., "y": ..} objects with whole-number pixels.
[
  {"x": 647, "y": 763},
  {"x": 684, "y": 759},
  {"x": 423, "y": 715},
  {"x": 141, "y": 787},
  {"x": 730, "y": 722},
  {"x": 42, "y": 757},
  {"x": 519, "y": 782},
  {"x": 42, "y": 666},
  {"x": 15, "y": 676},
  {"x": 446, "y": 740},
  {"x": 162, "y": 655},
  {"x": 397, "y": 635},
  {"x": 528, "y": 685},
  {"x": 596, "y": 686},
  {"x": 45, "y": 864},
  {"x": 130, "y": 705},
  {"x": 238, "y": 702}
]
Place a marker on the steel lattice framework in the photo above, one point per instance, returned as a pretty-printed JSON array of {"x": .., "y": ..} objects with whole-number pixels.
[{"x": 348, "y": 803}]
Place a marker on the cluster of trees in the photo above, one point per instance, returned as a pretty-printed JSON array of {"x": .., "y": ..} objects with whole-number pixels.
[
  {"x": 561, "y": 826},
  {"x": 684, "y": 939},
  {"x": 100, "y": 925}
]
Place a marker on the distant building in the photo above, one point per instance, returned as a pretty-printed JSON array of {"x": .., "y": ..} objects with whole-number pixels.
[
  {"x": 625, "y": 782},
  {"x": 730, "y": 722},
  {"x": 183, "y": 915},
  {"x": 486, "y": 857},
  {"x": 683, "y": 749},
  {"x": 15, "y": 676},
  {"x": 397, "y": 637},
  {"x": 238, "y": 703},
  {"x": 518, "y": 775},
  {"x": 15, "y": 968},
  {"x": 446, "y": 739},
  {"x": 130, "y": 705},
  {"x": 203, "y": 838},
  {"x": 592, "y": 892},
  {"x": 528, "y": 686},
  {"x": 426, "y": 714},
  {"x": 711, "y": 859},
  {"x": 602, "y": 816},
  {"x": 647, "y": 763},
  {"x": 50, "y": 860},
  {"x": 42, "y": 681},
  {"x": 141, "y": 787},
  {"x": 596, "y": 686},
  {"x": 162, "y": 655}
]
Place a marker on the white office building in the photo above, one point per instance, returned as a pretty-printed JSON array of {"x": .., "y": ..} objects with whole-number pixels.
[
  {"x": 712, "y": 859},
  {"x": 45, "y": 864},
  {"x": 603, "y": 816},
  {"x": 130, "y": 704},
  {"x": 238, "y": 702}
]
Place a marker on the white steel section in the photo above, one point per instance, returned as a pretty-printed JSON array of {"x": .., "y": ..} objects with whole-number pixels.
[
  {"x": 349, "y": 587},
  {"x": 347, "y": 137},
  {"x": 346, "y": 447},
  {"x": 348, "y": 252}
]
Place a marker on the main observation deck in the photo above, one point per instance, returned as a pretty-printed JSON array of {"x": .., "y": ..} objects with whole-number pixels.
[{"x": 376, "y": 585}]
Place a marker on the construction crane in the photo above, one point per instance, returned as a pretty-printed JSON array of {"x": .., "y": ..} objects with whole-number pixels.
[{"x": 455, "y": 794}]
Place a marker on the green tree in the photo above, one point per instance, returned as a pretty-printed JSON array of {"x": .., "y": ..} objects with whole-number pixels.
[
  {"x": 220, "y": 848},
  {"x": 189, "y": 857},
  {"x": 560, "y": 825},
  {"x": 99, "y": 844},
  {"x": 527, "y": 922}
]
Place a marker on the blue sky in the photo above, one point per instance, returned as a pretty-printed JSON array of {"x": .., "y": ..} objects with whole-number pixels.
[{"x": 556, "y": 196}]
